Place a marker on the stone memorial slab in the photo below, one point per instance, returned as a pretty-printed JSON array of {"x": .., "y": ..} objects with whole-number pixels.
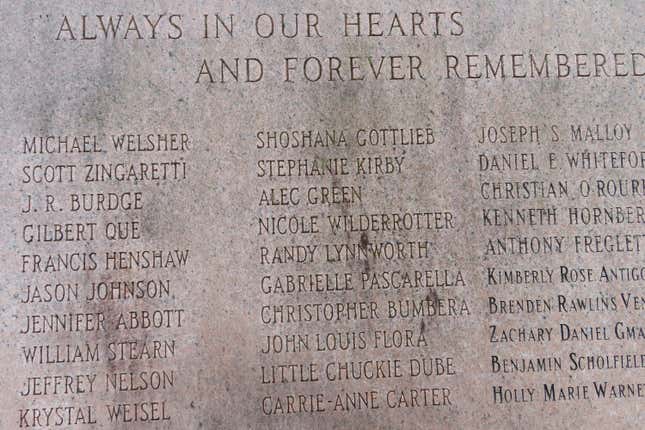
[{"x": 322, "y": 214}]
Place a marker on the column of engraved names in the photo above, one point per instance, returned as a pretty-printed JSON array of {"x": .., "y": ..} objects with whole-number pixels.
[
  {"x": 97, "y": 319},
  {"x": 346, "y": 282},
  {"x": 561, "y": 206}
]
